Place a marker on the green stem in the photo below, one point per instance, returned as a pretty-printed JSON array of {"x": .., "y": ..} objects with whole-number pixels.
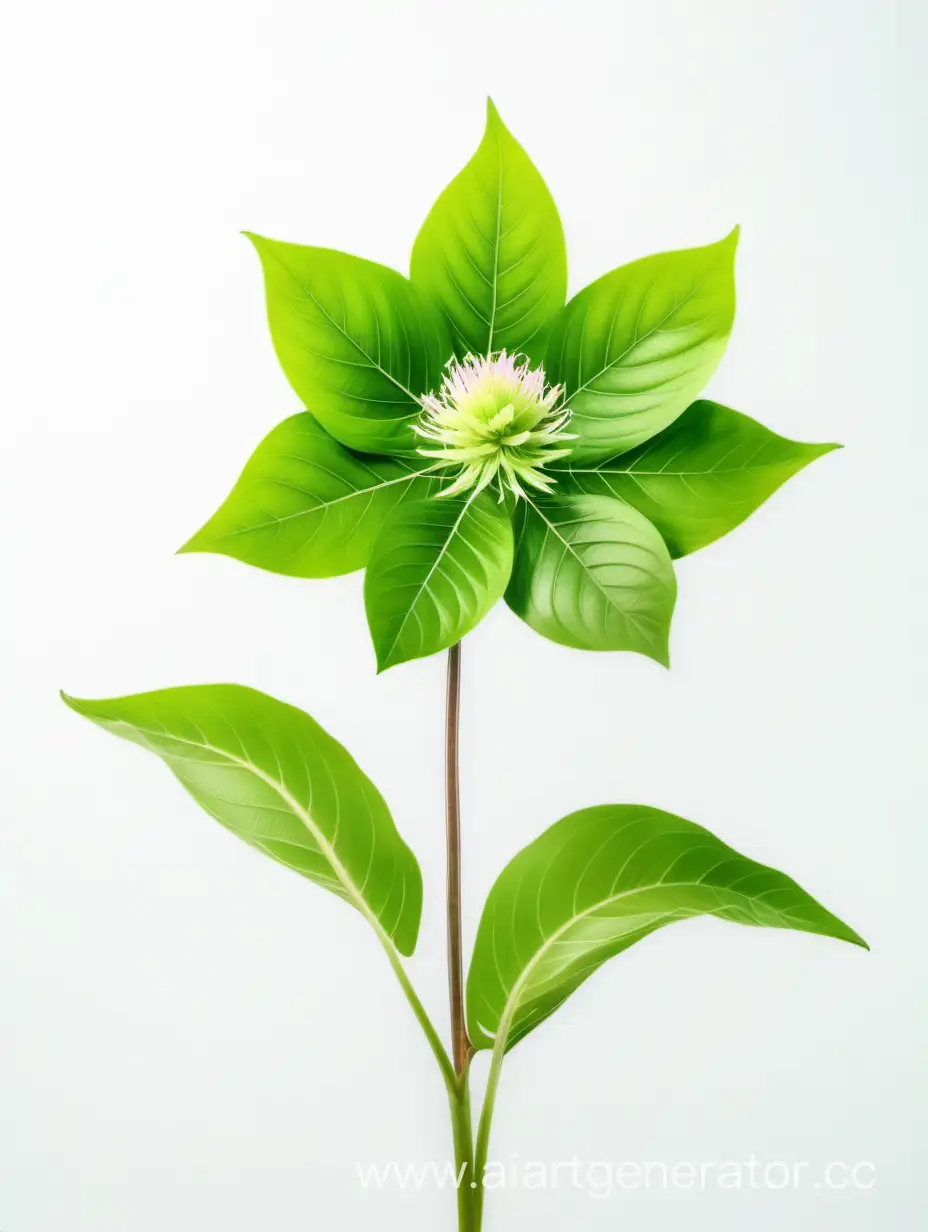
[
  {"x": 464, "y": 1155},
  {"x": 428, "y": 1027},
  {"x": 486, "y": 1121},
  {"x": 458, "y": 1089}
]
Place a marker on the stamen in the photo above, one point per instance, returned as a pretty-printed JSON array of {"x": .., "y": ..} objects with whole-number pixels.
[{"x": 494, "y": 419}]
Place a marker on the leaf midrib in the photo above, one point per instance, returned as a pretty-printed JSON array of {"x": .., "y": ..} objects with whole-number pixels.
[
  {"x": 607, "y": 595},
  {"x": 497, "y": 242},
  {"x": 512, "y": 1003},
  {"x": 341, "y": 329},
  {"x": 729, "y": 470},
  {"x": 323, "y": 506},
  {"x": 352, "y": 891},
  {"x": 424, "y": 584},
  {"x": 638, "y": 340}
]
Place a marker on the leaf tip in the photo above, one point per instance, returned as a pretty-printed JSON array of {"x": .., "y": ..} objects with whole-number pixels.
[
  {"x": 854, "y": 938},
  {"x": 384, "y": 662},
  {"x": 808, "y": 452},
  {"x": 258, "y": 242},
  {"x": 660, "y": 654},
  {"x": 77, "y": 704},
  {"x": 495, "y": 124},
  {"x": 192, "y": 545}
]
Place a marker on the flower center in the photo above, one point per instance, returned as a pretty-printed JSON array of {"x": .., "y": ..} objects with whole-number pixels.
[{"x": 493, "y": 419}]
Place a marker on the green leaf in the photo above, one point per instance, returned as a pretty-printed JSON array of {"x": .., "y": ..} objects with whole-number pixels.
[
  {"x": 699, "y": 478},
  {"x": 437, "y": 568},
  {"x": 306, "y": 506},
  {"x": 592, "y": 573},
  {"x": 271, "y": 775},
  {"x": 357, "y": 341},
  {"x": 595, "y": 883},
  {"x": 635, "y": 347},
  {"x": 492, "y": 251}
]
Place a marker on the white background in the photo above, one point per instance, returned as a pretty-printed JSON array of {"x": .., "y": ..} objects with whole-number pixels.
[{"x": 192, "y": 1038}]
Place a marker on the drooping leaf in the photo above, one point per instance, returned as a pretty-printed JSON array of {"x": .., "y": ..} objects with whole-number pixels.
[
  {"x": 357, "y": 341},
  {"x": 306, "y": 506},
  {"x": 271, "y": 775},
  {"x": 635, "y": 347},
  {"x": 492, "y": 251},
  {"x": 437, "y": 568},
  {"x": 699, "y": 478},
  {"x": 595, "y": 883},
  {"x": 592, "y": 573}
]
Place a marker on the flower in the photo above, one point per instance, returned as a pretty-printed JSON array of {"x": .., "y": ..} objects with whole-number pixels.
[
  {"x": 494, "y": 417},
  {"x": 585, "y": 412}
]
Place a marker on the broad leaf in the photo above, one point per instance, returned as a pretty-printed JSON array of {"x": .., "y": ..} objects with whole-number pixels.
[
  {"x": 357, "y": 342},
  {"x": 271, "y": 775},
  {"x": 592, "y": 573},
  {"x": 437, "y": 568},
  {"x": 492, "y": 252},
  {"x": 595, "y": 883},
  {"x": 635, "y": 347},
  {"x": 699, "y": 478},
  {"x": 306, "y": 506}
]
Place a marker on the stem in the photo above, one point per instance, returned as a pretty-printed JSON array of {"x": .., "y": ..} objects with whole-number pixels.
[
  {"x": 461, "y": 1048},
  {"x": 464, "y": 1156},
  {"x": 438, "y": 1048},
  {"x": 458, "y": 1088},
  {"x": 486, "y": 1121}
]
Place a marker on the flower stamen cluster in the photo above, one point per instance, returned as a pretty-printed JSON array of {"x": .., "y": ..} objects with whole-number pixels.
[{"x": 493, "y": 420}]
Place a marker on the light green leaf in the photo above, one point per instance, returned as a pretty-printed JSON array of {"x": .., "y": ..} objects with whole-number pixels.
[
  {"x": 306, "y": 506},
  {"x": 437, "y": 568},
  {"x": 357, "y": 341},
  {"x": 592, "y": 573},
  {"x": 635, "y": 347},
  {"x": 699, "y": 478},
  {"x": 492, "y": 251},
  {"x": 595, "y": 883},
  {"x": 271, "y": 775}
]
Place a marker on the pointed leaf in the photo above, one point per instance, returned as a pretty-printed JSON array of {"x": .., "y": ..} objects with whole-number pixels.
[
  {"x": 271, "y": 775},
  {"x": 699, "y": 478},
  {"x": 635, "y": 347},
  {"x": 306, "y": 506},
  {"x": 437, "y": 568},
  {"x": 492, "y": 252},
  {"x": 595, "y": 883},
  {"x": 592, "y": 573},
  {"x": 357, "y": 342}
]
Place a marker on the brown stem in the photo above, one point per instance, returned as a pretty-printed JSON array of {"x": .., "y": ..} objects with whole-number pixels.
[{"x": 461, "y": 1048}]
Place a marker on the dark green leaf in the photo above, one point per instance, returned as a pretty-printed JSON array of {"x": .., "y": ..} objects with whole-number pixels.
[
  {"x": 306, "y": 506},
  {"x": 592, "y": 573},
  {"x": 357, "y": 342},
  {"x": 595, "y": 883},
  {"x": 492, "y": 252},
  {"x": 699, "y": 478},
  {"x": 437, "y": 568},
  {"x": 271, "y": 775},
  {"x": 635, "y": 347}
]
